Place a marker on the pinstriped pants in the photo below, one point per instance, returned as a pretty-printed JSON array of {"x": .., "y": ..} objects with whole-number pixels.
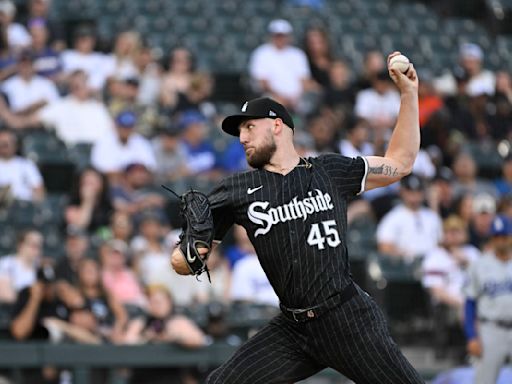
[{"x": 353, "y": 339}]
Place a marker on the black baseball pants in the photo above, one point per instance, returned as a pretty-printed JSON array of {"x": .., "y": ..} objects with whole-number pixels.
[{"x": 352, "y": 338}]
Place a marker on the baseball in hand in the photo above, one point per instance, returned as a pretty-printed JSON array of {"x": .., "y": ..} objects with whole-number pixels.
[{"x": 400, "y": 63}]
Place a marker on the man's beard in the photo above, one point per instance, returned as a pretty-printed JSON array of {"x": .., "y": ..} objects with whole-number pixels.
[{"x": 262, "y": 155}]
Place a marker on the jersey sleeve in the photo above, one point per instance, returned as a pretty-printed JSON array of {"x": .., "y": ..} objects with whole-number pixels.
[
  {"x": 222, "y": 210},
  {"x": 471, "y": 284},
  {"x": 348, "y": 173}
]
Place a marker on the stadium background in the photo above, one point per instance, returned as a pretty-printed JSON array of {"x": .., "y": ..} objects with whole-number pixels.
[{"x": 221, "y": 35}]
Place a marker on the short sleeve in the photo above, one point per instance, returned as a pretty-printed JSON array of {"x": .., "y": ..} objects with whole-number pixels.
[
  {"x": 348, "y": 173},
  {"x": 33, "y": 175},
  {"x": 434, "y": 273},
  {"x": 222, "y": 210}
]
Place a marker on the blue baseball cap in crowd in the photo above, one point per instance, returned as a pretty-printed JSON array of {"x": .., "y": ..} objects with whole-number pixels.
[
  {"x": 126, "y": 119},
  {"x": 501, "y": 226},
  {"x": 190, "y": 117}
]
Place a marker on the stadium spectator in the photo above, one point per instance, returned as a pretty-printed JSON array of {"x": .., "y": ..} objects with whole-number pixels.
[
  {"x": 200, "y": 156},
  {"x": 241, "y": 247},
  {"x": 66, "y": 270},
  {"x": 17, "y": 34},
  {"x": 163, "y": 325},
  {"x": 220, "y": 272},
  {"x": 121, "y": 227},
  {"x": 40, "y": 10},
  {"x": 339, "y": 92},
  {"x": 197, "y": 95},
  {"x": 471, "y": 58},
  {"x": 176, "y": 81},
  {"x": 8, "y": 62},
  {"x": 170, "y": 154},
  {"x": 27, "y": 92},
  {"x": 47, "y": 61},
  {"x": 113, "y": 153},
  {"x": 409, "y": 230},
  {"x": 249, "y": 284},
  {"x": 89, "y": 205},
  {"x": 76, "y": 118},
  {"x": 483, "y": 211},
  {"x": 150, "y": 254},
  {"x": 150, "y": 75},
  {"x": 373, "y": 64},
  {"x": 500, "y": 111},
  {"x": 440, "y": 195},
  {"x": 504, "y": 184},
  {"x": 105, "y": 315},
  {"x": 120, "y": 64},
  {"x": 323, "y": 133},
  {"x": 20, "y": 178},
  {"x": 18, "y": 271},
  {"x": 466, "y": 177},
  {"x": 118, "y": 279},
  {"x": 123, "y": 95},
  {"x": 356, "y": 141},
  {"x": 444, "y": 275},
  {"x": 279, "y": 69},
  {"x": 83, "y": 57},
  {"x": 232, "y": 159},
  {"x": 319, "y": 54},
  {"x": 379, "y": 105},
  {"x": 429, "y": 101},
  {"x": 135, "y": 194}
]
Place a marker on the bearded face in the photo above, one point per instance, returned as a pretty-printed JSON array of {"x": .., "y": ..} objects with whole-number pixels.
[{"x": 258, "y": 155}]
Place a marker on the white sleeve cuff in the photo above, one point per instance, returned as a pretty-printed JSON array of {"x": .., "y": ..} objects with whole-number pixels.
[{"x": 363, "y": 180}]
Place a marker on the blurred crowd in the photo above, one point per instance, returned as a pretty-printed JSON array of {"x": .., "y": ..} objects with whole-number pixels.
[{"x": 149, "y": 119}]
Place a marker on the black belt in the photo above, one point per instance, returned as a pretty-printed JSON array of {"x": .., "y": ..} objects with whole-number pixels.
[
  {"x": 306, "y": 314},
  {"x": 500, "y": 323}
]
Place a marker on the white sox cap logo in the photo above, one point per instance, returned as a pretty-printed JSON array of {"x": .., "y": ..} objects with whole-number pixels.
[{"x": 244, "y": 107}]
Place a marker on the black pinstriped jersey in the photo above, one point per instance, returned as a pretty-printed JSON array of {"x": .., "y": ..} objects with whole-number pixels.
[{"x": 297, "y": 223}]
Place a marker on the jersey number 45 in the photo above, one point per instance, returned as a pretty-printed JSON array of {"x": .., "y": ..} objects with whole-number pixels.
[{"x": 322, "y": 232}]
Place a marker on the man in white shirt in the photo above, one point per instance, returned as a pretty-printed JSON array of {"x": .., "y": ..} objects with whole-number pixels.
[
  {"x": 379, "y": 105},
  {"x": 113, "y": 153},
  {"x": 409, "y": 230},
  {"x": 249, "y": 283},
  {"x": 27, "y": 91},
  {"x": 18, "y": 175},
  {"x": 278, "y": 68},
  {"x": 83, "y": 57},
  {"x": 76, "y": 118},
  {"x": 481, "y": 81}
]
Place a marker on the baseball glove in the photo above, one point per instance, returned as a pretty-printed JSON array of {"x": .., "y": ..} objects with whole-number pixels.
[{"x": 197, "y": 231}]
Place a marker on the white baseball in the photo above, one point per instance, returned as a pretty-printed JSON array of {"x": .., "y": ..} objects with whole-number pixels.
[{"x": 399, "y": 62}]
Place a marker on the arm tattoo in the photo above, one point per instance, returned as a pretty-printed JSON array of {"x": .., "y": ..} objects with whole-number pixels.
[{"x": 385, "y": 170}]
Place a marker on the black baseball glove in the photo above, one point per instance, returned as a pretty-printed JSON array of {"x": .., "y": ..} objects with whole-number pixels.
[{"x": 197, "y": 231}]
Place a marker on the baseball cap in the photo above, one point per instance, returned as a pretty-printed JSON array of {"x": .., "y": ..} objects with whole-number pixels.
[
  {"x": 280, "y": 27},
  {"x": 126, "y": 119},
  {"x": 412, "y": 182},
  {"x": 471, "y": 51},
  {"x": 501, "y": 226},
  {"x": 190, "y": 117},
  {"x": 454, "y": 222},
  {"x": 259, "y": 108},
  {"x": 484, "y": 203}
]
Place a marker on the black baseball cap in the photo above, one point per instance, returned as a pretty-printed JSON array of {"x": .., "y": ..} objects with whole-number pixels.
[{"x": 260, "y": 108}]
